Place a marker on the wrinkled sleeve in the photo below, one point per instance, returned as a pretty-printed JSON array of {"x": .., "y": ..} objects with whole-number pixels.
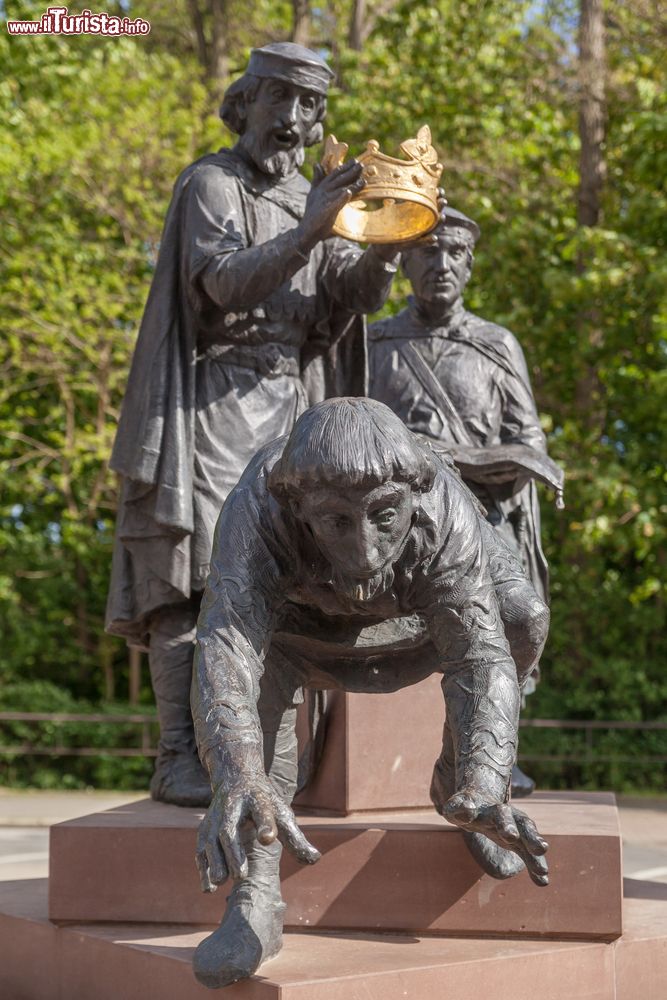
[
  {"x": 458, "y": 601},
  {"x": 520, "y": 423},
  {"x": 242, "y": 597},
  {"x": 222, "y": 261},
  {"x": 358, "y": 279}
]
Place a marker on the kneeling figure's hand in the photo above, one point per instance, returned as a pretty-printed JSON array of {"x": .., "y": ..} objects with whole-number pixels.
[
  {"x": 506, "y": 826},
  {"x": 244, "y": 794}
]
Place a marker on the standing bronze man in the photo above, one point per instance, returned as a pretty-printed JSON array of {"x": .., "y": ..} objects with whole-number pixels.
[
  {"x": 463, "y": 381},
  {"x": 252, "y": 314}
]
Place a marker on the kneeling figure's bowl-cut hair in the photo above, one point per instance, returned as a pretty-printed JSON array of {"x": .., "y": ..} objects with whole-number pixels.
[{"x": 349, "y": 441}]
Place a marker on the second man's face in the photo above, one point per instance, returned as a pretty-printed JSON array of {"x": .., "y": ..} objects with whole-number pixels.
[{"x": 439, "y": 273}]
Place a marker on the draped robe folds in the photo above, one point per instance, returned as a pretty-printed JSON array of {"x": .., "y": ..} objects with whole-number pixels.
[
  {"x": 482, "y": 372},
  {"x": 210, "y": 383}
]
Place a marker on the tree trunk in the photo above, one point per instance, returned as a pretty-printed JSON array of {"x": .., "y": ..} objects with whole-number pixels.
[
  {"x": 363, "y": 20},
  {"x": 592, "y": 172},
  {"x": 197, "y": 19},
  {"x": 357, "y": 20},
  {"x": 218, "y": 62},
  {"x": 301, "y": 22},
  {"x": 105, "y": 653},
  {"x": 209, "y": 20},
  {"x": 592, "y": 112},
  {"x": 135, "y": 675}
]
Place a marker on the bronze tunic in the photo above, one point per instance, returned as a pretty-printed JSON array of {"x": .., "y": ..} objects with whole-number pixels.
[{"x": 221, "y": 368}]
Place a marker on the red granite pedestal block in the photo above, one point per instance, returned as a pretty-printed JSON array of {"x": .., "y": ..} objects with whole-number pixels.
[
  {"x": 405, "y": 871},
  {"x": 641, "y": 954},
  {"x": 42, "y": 961},
  {"x": 379, "y": 750}
]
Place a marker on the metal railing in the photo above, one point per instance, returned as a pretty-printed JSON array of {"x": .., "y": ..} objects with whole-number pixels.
[
  {"x": 590, "y": 726},
  {"x": 147, "y": 747}
]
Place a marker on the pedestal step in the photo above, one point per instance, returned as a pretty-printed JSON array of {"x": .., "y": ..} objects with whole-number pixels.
[
  {"x": 379, "y": 872},
  {"x": 40, "y": 961}
]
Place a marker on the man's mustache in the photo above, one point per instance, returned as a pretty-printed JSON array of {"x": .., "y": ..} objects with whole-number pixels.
[
  {"x": 269, "y": 156},
  {"x": 362, "y": 588}
]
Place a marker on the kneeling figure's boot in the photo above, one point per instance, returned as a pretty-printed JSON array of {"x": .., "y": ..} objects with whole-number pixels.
[
  {"x": 252, "y": 928},
  {"x": 180, "y": 779},
  {"x": 522, "y": 786}
]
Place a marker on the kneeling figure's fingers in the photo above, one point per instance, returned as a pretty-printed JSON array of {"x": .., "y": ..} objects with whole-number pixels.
[
  {"x": 204, "y": 872},
  {"x": 230, "y": 841},
  {"x": 461, "y": 809},
  {"x": 529, "y": 833},
  {"x": 217, "y": 867},
  {"x": 293, "y": 838},
  {"x": 503, "y": 820},
  {"x": 537, "y": 866},
  {"x": 263, "y": 818}
]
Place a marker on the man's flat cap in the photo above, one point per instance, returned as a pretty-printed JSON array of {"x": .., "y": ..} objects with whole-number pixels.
[
  {"x": 452, "y": 218},
  {"x": 288, "y": 61}
]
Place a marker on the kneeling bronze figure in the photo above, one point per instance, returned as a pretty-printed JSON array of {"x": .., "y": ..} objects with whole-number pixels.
[{"x": 351, "y": 555}]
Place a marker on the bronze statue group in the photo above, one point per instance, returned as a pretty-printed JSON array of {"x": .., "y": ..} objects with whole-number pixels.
[{"x": 271, "y": 510}]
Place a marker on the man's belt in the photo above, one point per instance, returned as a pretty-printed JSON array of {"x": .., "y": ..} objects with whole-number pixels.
[{"x": 269, "y": 360}]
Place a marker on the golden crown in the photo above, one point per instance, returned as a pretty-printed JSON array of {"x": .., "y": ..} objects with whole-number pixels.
[{"x": 407, "y": 191}]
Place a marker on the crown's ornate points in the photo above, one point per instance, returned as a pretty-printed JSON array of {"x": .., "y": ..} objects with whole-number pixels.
[{"x": 407, "y": 189}]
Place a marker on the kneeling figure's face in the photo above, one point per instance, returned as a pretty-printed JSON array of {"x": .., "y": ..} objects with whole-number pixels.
[{"x": 360, "y": 531}]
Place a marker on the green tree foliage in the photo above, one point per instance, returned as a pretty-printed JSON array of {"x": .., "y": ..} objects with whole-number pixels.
[
  {"x": 99, "y": 129},
  {"x": 97, "y": 134},
  {"x": 497, "y": 84},
  {"x": 49, "y": 770}
]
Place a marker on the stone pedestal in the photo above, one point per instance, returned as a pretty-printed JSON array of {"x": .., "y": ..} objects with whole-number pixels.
[
  {"x": 379, "y": 750},
  {"x": 127, "y": 914},
  {"x": 408, "y": 871},
  {"x": 41, "y": 961}
]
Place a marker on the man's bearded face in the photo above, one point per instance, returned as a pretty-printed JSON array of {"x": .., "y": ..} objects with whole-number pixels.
[
  {"x": 278, "y": 122},
  {"x": 361, "y": 533},
  {"x": 439, "y": 273}
]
